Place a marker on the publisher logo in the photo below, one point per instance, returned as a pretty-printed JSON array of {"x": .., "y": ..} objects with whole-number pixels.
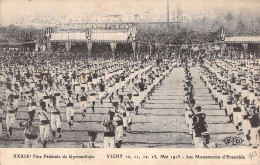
[{"x": 233, "y": 140}]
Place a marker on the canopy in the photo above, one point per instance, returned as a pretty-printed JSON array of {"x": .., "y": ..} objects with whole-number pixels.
[{"x": 242, "y": 39}]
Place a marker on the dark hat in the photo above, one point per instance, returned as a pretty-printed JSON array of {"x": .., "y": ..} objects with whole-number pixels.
[
  {"x": 111, "y": 112},
  {"x": 198, "y": 108},
  {"x": 31, "y": 113},
  {"x": 43, "y": 104},
  {"x": 253, "y": 107},
  {"x": 237, "y": 95}
]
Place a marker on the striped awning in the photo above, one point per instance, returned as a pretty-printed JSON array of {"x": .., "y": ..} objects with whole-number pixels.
[
  {"x": 68, "y": 36},
  {"x": 242, "y": 39},
  {"x": 96, "y": 36}
]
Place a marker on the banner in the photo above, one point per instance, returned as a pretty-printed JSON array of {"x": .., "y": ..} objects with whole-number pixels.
[
  {"x": 49, "y": 46},
  {"x": 224, "y": 46},
  {"x": 89, "y": 45},
  {"x": 109, "y": 36},
  {"x": 36, "y": 47},
  {"x": 43, "y": 47},
  {"x": 67, "y": 46},
  {"x": 113, "y": 47}
]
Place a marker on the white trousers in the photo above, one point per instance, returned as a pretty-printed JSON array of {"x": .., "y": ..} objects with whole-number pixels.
[
  {"x": 44, "y": 132},
  {"x": 55, "y": 122},
  {"x": 109, "y": 142}
]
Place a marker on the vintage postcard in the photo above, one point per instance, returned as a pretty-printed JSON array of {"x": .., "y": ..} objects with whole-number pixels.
[{"x": 129, "y": 81}]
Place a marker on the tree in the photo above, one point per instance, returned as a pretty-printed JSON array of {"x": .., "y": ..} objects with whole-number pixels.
[{"x": 229, "y": 17}]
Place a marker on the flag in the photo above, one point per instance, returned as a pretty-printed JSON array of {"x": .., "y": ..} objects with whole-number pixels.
[{"x": 222, "y": 35}]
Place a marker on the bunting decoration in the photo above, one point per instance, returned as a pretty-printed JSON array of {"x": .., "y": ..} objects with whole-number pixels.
[
  {"x": 245, "y": 46},
  {"x": 113, "y": 47}
]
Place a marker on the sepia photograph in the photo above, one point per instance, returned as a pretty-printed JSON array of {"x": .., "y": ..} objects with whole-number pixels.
[{"x": 130, "y": 74}]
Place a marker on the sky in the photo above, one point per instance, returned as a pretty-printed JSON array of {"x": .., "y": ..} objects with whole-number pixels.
[{"x": 10, "y": 9}]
